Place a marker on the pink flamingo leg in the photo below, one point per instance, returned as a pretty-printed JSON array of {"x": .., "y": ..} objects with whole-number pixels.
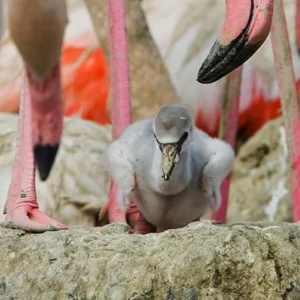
[
  {"x": 228, "y": 128},
  {"x": 47, "y": 117},
  {"x": 141, "y": 226},
  {"x": 111, "y": 208},
  {"x": 289, "y": 101},
  {"x": 21, "y": 206},
  {"x": 121, "y": 107}
]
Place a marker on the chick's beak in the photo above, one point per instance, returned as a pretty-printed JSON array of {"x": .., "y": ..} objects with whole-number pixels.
[{"x": 170, "y": 157}]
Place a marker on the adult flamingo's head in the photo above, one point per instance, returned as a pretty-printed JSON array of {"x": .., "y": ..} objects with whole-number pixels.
[{"x": 246, "y": 27}]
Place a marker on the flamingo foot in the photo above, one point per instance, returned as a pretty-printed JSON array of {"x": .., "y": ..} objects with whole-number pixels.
[
  {"x": 27, "y": 216},
  {"x": 111, "y": 210},
  {"x": 142, "y": 226}
]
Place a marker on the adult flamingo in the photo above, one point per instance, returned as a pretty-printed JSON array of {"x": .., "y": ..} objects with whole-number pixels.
[
  {"x": 37, "y": 30},
  {"x": 247, "y": 25}
]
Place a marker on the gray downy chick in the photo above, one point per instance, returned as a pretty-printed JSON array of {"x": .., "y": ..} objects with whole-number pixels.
[{"x": 169, "y": 168}]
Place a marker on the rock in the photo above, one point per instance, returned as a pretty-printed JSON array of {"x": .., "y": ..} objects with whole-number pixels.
[
  {"x": 77, "y": 186},
  {"x": 259, "y": 190},
  {"x": 201, "y": 261}
]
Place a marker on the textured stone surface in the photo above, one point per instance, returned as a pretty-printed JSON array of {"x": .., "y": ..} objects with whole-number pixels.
[
  {"x": 201, "y": 261},
  {"x": 259, "y": 190}
]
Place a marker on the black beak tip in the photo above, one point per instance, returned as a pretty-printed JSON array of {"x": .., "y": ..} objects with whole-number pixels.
[
  {"x": 223, "y": 59},
  {"x": 202, "y": 76},
  {"x": 45, "y": 156}
]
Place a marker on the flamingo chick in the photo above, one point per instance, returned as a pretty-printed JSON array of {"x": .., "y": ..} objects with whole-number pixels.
[
  {"x": 37, "y": 29},
  {"x": 171, "y": 170}
]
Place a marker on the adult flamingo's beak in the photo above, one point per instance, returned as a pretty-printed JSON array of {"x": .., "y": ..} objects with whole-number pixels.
[{"x": 246, "y": 27}]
